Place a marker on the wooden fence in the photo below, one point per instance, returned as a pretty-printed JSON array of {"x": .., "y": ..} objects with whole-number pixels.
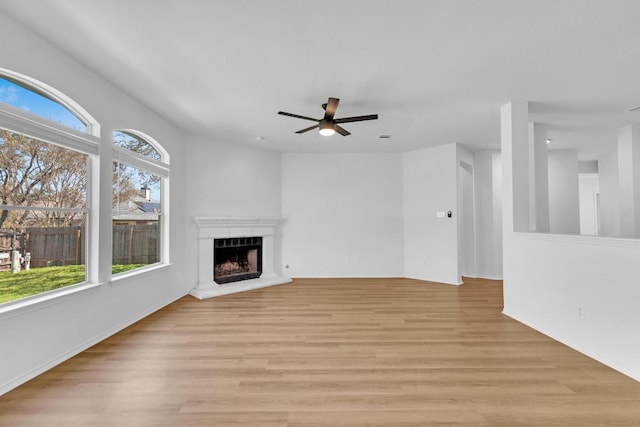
[
  {"x": 9, "y": 240},
  {"x": 54, "y": 246},
  {"x": 136, "y": 244},
  {"x": 49, "y": 246}
]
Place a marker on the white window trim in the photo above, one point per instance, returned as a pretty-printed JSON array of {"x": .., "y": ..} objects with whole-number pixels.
[
  {"x": 93, "y": 127},
  {"x": 42, "y": 208},
  {"x": 164, "y": 155},
  {"x": 44, "y": 299},
  {"x": 160, "y": 168},
  {"x": 40, "y": 128},
  {"x": 20, "y": 121},
  {"x": 137, "y": 160}
]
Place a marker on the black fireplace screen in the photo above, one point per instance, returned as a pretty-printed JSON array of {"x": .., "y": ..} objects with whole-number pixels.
[{"x": 238, "y": 258}]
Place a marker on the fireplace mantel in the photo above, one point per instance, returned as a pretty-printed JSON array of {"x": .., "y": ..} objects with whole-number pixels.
[
  {"x": 210, "y": 228},
  {"x": 230, "y": 222}
]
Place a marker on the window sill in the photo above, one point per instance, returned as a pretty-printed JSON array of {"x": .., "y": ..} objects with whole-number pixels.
[
  {"x": 138, "y": 272},
  {"x": 47, "y": 299},
  {"x": 38, "y": 302}
]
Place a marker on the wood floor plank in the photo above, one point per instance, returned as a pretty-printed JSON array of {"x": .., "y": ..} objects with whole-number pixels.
[{"x": 329, "y": 352}]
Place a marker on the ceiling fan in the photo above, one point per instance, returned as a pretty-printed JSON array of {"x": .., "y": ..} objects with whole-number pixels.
[{"x": 329, "y": 125}]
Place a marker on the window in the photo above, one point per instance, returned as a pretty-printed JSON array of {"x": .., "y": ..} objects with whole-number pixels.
[
  {"x": 37, "y": 102},
  {"x": 46, "y": 151},
  {"x": 140, "y": 175}
]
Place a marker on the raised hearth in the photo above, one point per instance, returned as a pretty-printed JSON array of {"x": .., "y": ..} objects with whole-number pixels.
[{"x": 231, "y": 230}]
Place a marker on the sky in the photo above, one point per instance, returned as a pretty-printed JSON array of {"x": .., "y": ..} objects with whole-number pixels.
[{"x": 19, "y": 97}]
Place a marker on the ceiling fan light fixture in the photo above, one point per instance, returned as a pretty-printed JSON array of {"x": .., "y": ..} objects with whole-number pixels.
[
  {"x": 328, "y": 125},
  {"x": 326, "y": 128}
]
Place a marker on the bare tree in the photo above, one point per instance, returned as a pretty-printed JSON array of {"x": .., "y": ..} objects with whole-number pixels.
[
  {"x": 37, "y": 174},
  {"x": 124, "y": 188},
  {"x": 137, "y": 145},
  {"x": 65, "y": 188}
]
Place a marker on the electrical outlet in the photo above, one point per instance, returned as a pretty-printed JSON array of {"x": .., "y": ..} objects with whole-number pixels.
[{"x": 580, "y": 312}]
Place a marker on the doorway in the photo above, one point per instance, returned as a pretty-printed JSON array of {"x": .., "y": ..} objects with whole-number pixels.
[{"x": 466, "y": 222}]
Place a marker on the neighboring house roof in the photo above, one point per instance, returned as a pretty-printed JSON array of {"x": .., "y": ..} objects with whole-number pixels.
[
  {"x": 150, "y": 207},
  {"x": 137, "y": 209}
]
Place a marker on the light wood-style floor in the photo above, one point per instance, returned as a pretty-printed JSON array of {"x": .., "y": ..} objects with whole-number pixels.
[{"x": 329, "y": 352}]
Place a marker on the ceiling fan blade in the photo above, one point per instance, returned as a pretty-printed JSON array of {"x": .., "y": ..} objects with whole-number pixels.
[
  {"x": 330, "y": 108},
  {"x": 356, "y": 118},
  {"x": 308, "y": 129},
  {"x": 342, "y": 131},
  {"x": 297, "y": 116}
]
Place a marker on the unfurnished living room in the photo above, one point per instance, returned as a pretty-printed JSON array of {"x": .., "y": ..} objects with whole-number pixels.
[{"x": 296, "y": 213}]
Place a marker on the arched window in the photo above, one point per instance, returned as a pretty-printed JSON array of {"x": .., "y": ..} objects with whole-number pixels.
[
  {"x": 47, "y": 146},
  {"x": 33, "y": 98},
  {"x": 140, "y": 194}
]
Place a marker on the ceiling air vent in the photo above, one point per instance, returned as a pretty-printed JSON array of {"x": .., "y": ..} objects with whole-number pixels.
[{"x": 389, "y": 136}]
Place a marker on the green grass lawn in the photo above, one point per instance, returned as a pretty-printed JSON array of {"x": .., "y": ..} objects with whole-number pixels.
[{"x": 38, "y": 280}]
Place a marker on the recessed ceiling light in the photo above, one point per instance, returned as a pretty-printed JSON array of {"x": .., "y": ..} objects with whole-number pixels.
[{"x": 548, "y": 141}]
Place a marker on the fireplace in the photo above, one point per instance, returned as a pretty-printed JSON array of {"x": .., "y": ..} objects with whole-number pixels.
[
  {"x": 237, "y": 259},
  {"x": 256, "y": 250}
]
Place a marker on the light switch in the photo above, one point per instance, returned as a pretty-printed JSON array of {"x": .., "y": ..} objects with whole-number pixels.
[{"x": 440, "y": 214}]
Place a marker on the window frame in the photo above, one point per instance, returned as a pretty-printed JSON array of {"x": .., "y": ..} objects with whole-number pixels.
[
  {"x": 160, "y": 168},
  {"x": 37, "y": 127},
  {"x": 43, "y": 89}
]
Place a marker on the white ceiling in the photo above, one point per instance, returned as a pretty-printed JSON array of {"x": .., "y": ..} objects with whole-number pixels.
[{"x": 435, "y": 71}]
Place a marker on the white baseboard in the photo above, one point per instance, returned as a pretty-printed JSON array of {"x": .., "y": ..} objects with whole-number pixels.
[{"x": 482, "y": 277}]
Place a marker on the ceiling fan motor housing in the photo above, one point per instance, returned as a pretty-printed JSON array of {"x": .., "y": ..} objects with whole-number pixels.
[{"x": 327, "y": 127}]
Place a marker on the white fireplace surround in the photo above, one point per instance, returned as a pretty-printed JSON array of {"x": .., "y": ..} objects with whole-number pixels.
[{"x": 210, "y": 228}]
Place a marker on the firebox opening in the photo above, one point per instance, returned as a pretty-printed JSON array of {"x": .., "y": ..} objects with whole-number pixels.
[{"x": 238, "y": 258}]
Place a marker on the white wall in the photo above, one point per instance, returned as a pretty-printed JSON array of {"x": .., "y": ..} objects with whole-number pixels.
[
  {"x": 42, "y": 335},
  {"x": 564, "y": 202},
  {"x": 609, "y": 199},
  {"x": 228, "y": 180},
  {"x": 430, "y": 186},
  {"x": 232, "y": 180},
  {"x": 580, "y": 290},
  {"x": 488, "y": 200},
  {"x": 343, "y": 215},
  {"x": 595, "y": 276}
]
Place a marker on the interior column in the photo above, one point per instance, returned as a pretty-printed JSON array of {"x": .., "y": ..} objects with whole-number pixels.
[
  {"x": 538, "y": 178},
  {"x": 514, "y": 136},
  {"x": 629, "y": 180}
]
